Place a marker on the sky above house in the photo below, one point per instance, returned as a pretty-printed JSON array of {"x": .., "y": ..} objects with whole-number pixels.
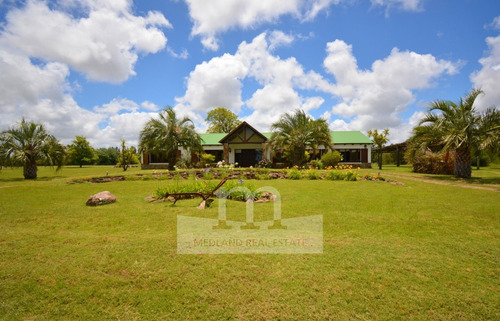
[{"x": 101, "y": 69}]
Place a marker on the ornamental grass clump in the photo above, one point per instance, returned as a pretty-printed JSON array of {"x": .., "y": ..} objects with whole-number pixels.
[
  {"x": 342, "y": 173},
  {"x": 312, "y": 174},
  {"x": 293, "y": 173},
  {"x": 235, "y": 190}
]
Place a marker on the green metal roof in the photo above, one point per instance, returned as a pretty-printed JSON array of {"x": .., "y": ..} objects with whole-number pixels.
[
  {"x": 350, "y": 137},
  {"x": 338, "y": 137},
  {"x": 211, "y": 139}
]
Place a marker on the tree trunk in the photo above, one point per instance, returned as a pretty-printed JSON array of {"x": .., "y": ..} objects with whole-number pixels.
[
  {"x": 379, "y": 159},
  {"x": 478, "y": 161},
  {"x": 172, "y": 159},
  {"x": 463, "y": 163},
  {"x": 30, "y": 170}
]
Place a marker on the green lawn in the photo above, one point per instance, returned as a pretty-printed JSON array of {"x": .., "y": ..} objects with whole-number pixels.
[{"x": 420, "y": 251}]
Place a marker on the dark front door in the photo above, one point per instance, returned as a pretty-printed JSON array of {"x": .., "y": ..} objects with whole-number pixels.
[{"x": 247, "y": 158}]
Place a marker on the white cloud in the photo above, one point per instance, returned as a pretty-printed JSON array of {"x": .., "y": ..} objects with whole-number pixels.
[
  {"x": 150, "y": 106},
  {"x": 124, "y": 126},
  {"x": 182, "y": 55},
  {"x": 339, "y": 124},
  {"x": 40, "y": 93},
  {"x": 214, "y": 17},
  {"x": 81, "y": 42},
  {"x": 375, "y": 98},
  {"x": 488, "y": 77},
  {"x": 496, "y": 23},
  {"x": 278, "y": 38},
  {"x": 216, "y": 83},
  {"x": 21, "y": 82},
  {"x": 409, "y": 5},
  {"x": 116, "y": 106}
]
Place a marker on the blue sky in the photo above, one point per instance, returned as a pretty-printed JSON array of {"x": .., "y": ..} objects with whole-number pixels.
[{"x": 101, "y": 69}]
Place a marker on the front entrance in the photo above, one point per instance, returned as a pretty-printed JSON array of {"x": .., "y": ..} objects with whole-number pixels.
[{"x": 245, "y": 157}]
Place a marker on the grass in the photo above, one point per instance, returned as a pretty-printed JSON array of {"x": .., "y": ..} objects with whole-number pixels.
[{"x": 420, "y": 251}]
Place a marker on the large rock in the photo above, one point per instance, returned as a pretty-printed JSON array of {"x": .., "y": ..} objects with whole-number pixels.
[{"x": 101, "y": 198}]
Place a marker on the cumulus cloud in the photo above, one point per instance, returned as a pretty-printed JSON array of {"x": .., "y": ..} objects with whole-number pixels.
[
  {"x": 40, "y": 93},
  {"x": 218, "y": 82},
  {"x": 116, "y": 106},
  {"x": 150, "y": 106},
  {"x": 375, "y": 98},
  {"x": 36, "y": 57},
  {"x": 211, "y": 18},
  {"x": 213, "y": 84},
  {"x": 278, "y": 38},
  {"x": 79, "y": 41},
  {"x": 124, "y": 126},
  {"x": 488, "y": 77},
  {"x": 24, "y": 83}
]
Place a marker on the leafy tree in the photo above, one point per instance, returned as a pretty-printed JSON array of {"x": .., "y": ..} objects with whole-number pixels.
[
  {"x": 459, "y": 127},
  {"x": 107, "y": 156},
  {"x": 127, "y": 156},
  {"x": 380, "y": 139},
  {"x": 167, "y": 134},
  {"x": 80, "y": 152},
  {"x": 294, "y": 133},
  {"x": 28, "y": 144},
  {"x": 222, "y": 120}
]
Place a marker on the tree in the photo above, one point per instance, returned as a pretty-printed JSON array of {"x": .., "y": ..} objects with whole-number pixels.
[
  {"x": 380, "y": 139},
  {"x": 167, "y": 134},
  {"x": 28, "y": 144},
  {"x": 127, "y": 156},
  {"x": 294, "y": 133},
  {"x": 222, "y": 120},
  {"x": 459, "y": 127},
  {"x": 108, "y": 156},
  {"x": 80, "y": 152}
]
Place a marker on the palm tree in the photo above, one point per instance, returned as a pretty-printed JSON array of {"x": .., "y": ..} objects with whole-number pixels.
[
  {"x": 294, "y": 133},
  {"x": 460, "y": 128},
  {"x": 167, "y": 134},
  {"x": 380, "y": 139},
  {"x": 29, "y": 144}
]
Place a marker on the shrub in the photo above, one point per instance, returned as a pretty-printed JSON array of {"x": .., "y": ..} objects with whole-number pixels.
[
  {"x": 206, "y": 159},
  {"x": 264, "y": 163},
  {"x": 434, "y": 163},
  {"x": 181, "y": 164},
  {"x": 312, "y": 174},
  {"x": 331, "y": 158},
  {"x": 351, "y": 176},
  {"x": 293, "y": 173},
  {"x": 316, "y": 164},
  {"x": 207, "y": 174},
  {"x": 334, "y": 175}
]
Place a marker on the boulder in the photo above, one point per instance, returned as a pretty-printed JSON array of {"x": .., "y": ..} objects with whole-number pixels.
[{"x": 101, "y": 198}]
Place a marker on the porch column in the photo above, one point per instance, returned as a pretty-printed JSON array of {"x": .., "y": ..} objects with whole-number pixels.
[{"x": 226, "y": 153}]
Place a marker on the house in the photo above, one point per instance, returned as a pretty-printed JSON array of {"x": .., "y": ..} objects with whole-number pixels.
[{"x": 247, "y": 146}]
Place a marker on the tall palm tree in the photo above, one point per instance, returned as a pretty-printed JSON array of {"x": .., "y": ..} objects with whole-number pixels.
[
  {"x": 294, "y": 133},
  {"x": 459, "y": 127},
  {"x": 167, "y": 133},
  {"x": 379, "y": 139},
  {"x": 28, "y": 144}
]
